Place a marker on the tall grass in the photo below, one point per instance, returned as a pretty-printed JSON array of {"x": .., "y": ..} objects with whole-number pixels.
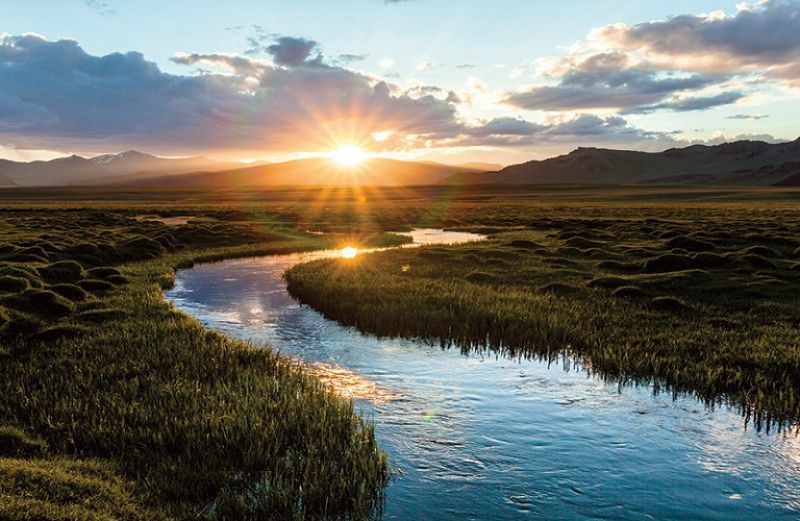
[
  {"x": 679, "y": 304},
  {"x": 183, "y": 422}
]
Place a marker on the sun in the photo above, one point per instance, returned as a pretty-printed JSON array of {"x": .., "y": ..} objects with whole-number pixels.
[
  {"x": 348, "y": 252},
  {"x": 348, "y": 156}
]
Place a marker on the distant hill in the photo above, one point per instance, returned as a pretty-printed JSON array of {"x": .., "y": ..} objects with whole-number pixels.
[
  {"x": 101, "y": 169},
  {"x": 484, "y": 167},
  {"x": 738, "y": 163},
  {"x": 316, "y": 172}
]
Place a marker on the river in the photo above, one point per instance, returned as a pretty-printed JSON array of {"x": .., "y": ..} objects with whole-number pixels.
[{"x": 489, "y": 438}]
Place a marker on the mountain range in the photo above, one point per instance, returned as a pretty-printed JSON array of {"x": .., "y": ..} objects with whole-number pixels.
[
  {"x": 754, "y": 163},
  {"x": 319, "y": 171},
  {"x": 100, "y": 169},
  {"x": 747, "y": 163}
]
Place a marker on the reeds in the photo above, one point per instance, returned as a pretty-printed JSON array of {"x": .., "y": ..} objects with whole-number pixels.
[
  {"x": 184, "y": 422},
  {"x": 703, "y": 304}
]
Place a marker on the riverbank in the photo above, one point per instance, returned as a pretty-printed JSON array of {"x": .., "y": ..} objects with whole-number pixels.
[
  {"x": 115, "y": 405},
  {"x": 698, "y": 301}
]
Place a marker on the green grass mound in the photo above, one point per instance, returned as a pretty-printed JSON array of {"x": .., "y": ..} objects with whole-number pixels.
[
  {"x": 102, "y": 272},
  {"x": 141, "y": 248},
  {"x": 41, "y": 303},
  {"x": 25, "y": 272},
  {"x": 669, "y": 304},
  {"x": 58, "y": 332},
  {"x": 757, "y": 261},
  {"x": 19, "y": 325},
  {"x": 96, "y": 285},
  {"x": 629, "y": 292},
  {"x": 66, "y": 490},
  {"x": 101, "y": 315},
  {"x": 690, "y": 244},
  {"x": 34, "y": 254},
  {"x": 561, "y": 263},
  {"x": 11, "y": 284},
  {"x": 560, "y": 289},
  {"x": 612, "y": 265},
  {"x": 524, "y": 245},
  {"x": 762, "y": 251},
  {"x": 118, "y": 280},
  {"x": 608, "y": 282},
  {"x": 70, "y": 291},
  {"x": 667, "y": 262},
  {"x": 15, "y": 443},
  {"x": 569, "y": 251},
  {"x": 61, "y": 271},
  {"x": 705, "y": 260},
  {"x": 580, "y": 242},
  {"x": 480, "y": 277}
]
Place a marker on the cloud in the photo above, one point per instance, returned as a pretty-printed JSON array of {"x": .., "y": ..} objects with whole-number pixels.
[
  {"x": 102, "y": 8},
  {"x": 761, "y": 37},
  {"x": 54, "y": 94},
  {"x": 748, "y": 116},
  {"x": 583, "y": 128},
  {"x": 351, "y": 58},
  {"x": 426, "y": 65},
  {"x": 684, "y": 63},
  {"x": 290, "y": 51},
  {"x": 691, "y": 104},
  {"x": 606, "y": 80}
]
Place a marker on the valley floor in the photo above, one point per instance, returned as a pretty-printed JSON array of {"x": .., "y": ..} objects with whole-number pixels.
[{"x": 114, "y": 405}]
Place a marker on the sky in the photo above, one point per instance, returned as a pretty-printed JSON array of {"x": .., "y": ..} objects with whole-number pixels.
[{"x": 499, "y": 81}]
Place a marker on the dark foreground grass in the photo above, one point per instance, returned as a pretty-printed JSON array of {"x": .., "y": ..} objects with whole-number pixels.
[
  {"x": 701, "y": 300},
  {"x": 114, "y": 406}
]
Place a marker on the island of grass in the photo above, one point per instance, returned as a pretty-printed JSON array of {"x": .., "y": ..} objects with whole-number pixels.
[
  {"x": 115, "y": 406},
  {"x": 701, "y": 300}
]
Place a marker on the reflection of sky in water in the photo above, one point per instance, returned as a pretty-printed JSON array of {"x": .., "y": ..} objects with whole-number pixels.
[{"x": 481, "y": 437}]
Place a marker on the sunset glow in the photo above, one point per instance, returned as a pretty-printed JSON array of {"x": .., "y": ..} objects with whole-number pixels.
[
  {"x": 348, "y": 156},
  {"x": 348, "y": 252}
]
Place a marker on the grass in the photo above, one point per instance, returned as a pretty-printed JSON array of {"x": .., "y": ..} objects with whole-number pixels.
[
  {"x": 693, "y": 300},
  {"x": 113, "y": 405}
]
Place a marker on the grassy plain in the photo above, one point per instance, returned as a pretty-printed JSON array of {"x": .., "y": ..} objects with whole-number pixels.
[{"x": 113, "y": 405}]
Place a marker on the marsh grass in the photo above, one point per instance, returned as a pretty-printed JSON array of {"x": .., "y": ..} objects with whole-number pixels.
[
  {"x": 135, "y": 411},
  {"x": 703, "y": 303}
]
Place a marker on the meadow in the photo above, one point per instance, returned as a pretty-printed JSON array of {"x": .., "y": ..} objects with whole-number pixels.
[
  {"x": 687, "y": 291},
  {"x": 114, "y": 405}
]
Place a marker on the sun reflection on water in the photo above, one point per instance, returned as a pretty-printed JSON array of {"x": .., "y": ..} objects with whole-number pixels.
[{"x": 349, "y": 384}]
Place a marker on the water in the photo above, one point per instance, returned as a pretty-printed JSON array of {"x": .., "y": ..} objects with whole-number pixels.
[{"x": 486, "y": 438}]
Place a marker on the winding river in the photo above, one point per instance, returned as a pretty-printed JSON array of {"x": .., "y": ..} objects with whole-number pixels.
[{"x": 489, "y": 438}]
